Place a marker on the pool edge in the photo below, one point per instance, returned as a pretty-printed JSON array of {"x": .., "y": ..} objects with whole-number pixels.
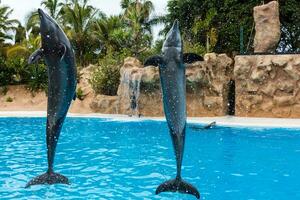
[{"x": 222, "y": 121}]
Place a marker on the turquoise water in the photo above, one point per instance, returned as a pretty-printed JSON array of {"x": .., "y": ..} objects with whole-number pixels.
[{"x": 107, "y": 159}]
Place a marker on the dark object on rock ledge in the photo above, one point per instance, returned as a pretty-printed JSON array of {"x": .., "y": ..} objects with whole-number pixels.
[{"x": 208, "y": 126}]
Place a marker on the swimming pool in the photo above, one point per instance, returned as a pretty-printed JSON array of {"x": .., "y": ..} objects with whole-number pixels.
[{"x": 112, "y": 159}]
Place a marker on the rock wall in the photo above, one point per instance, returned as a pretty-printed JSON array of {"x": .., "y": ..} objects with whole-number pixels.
[
  {"x": 267, "y": 27},
  {"x": 207, "y": 87},
  {"x": 267, "y": 85}
]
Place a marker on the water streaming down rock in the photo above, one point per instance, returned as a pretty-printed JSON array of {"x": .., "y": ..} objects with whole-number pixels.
[
  {"x": 207, "y": 89},
  {"x": 129, "y": 89},
  {"x": 133, "y": 80}
]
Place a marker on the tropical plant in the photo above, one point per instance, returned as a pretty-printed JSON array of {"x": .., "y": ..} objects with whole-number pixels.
[
  {"x": 106, "y": 78},
  {"x": 136, "y": 15},
  {"x": 32, "y": 23},
  {"x": 54, "y": 9},
  {"x": 222, "y": 20},
  {"x": 6, "y": 24},
  {"x": 111, "y": 32},
  {"x": 79, "y": 17},
  {"x": 20, "y": 34},
  {"x": 290, "y": 26},
  {"x": 38, "y": 79}
]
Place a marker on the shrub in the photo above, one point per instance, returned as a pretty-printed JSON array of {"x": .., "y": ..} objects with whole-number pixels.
[
  {"x": 37, "y": 78},
  {"x": 150, "y": 87},
  {"x": 6, "y": 73},
  {"x": 194, "y": 48},
  {"x": 79, "y": 94},
  {"x": 106, "y": 78},
  {"x": 16, "y": 71},
  {"x": 3, "y": 90},
  {"x": 17, "y": 66},
  {"x": 9, "y": 99}
]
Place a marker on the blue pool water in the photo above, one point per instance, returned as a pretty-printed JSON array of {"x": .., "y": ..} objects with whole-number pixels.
[{"x": 108, "y": 159}]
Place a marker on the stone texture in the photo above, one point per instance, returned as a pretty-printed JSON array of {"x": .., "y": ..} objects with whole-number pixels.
[
  {"x": 267, "y": 85},
  {"x": 207, "y": 87},
  {"x": 267, "y": 27},
  {"x": 105, "y": 104}
]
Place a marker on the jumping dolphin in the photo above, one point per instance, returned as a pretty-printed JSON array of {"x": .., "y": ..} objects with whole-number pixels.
[
  {"x": 59, "y": 57},
  {"x": 173, "y": 83}
]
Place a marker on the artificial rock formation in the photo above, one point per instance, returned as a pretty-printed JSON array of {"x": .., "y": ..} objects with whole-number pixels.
[
  {"x": 267, "y": 85},
  {"x": 267, "y": 27},
  {"x": 207, "y": 87}
]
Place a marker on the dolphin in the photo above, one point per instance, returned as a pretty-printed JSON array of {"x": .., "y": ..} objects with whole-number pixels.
[
  {"x": 173, "y": 83},
  {"x": 208, "y": 126},
  {"x": 60, "y": 60}
]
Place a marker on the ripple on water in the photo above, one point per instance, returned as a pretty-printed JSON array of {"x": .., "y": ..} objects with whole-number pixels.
[{"x": 108, "y": 159}]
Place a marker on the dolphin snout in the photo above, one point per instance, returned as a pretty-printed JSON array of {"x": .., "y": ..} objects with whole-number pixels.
[
  {"x": 41, "y": 13},
  {"x": 175, "y": 25},
  {"x": 173, "y": 38}
]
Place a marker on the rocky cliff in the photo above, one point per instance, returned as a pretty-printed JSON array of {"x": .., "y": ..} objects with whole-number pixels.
[
  {"x": 207, "y": 87},
  {"x": 267, "y": 27},
  {"x": 267, "y": 85}
]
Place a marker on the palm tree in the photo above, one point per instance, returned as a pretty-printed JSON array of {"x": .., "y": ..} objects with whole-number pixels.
[
  {"x": 112, "y": 34},
  {"x": 6, "y": 24},
  {"x": 20, "y": 34},
  {"x": 137, "y": 15},
  {"x": 53, "y": 7},
  {"x": 79, "y": 17}
]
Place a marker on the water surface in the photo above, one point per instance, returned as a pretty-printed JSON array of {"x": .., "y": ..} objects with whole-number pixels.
[{"x": 109, "y": 159}]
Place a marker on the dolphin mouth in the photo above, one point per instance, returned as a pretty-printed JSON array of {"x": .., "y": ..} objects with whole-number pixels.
[
  {"x": 173, "y": 38},
  {"x": 43, "y": 16},
  {"x": 175, "y": 25},
  {"x": 41, "y": 13}
]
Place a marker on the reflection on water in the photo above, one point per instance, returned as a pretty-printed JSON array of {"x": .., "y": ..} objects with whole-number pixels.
[{"x": 127, "y": 160}]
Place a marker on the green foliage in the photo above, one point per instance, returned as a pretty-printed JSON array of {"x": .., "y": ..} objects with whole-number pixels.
[
  {"x": 6, "y": 24},
  {"x": 290, "y": 26},
  {"x": 3, "y": 90},
  {"x": 5, "y": 73},
  {"x": 9, "y": 99},
  {"x": 194, "y": 48},
  {"x": 38, "y": 79},
  {"x": 79, "y": 94},
  {"x": 150, "y": 87},
  {"x": 106, "y": 78},
  {"x": 136, "y": 16},
  {"x": 78, "y": 18},
  {"x": 17, "y": 65},
  {"x": 206, "y": 25},
  {"x": 216, "y": 24},
  {"x": 15, "y": 70}
]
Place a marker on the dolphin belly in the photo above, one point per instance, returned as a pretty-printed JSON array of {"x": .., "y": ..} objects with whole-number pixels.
[{"x": 173, "y": 89}]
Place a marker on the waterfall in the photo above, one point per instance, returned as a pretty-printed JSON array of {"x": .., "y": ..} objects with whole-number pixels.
[
  {"x": 131, "y": 80},
  {"x": 134, "y": 90}
]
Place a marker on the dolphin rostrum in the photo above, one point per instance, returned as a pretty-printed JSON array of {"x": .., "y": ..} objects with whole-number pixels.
[
  {"x": 173, "y": 84},
  {"x": 60, "y": 60}
]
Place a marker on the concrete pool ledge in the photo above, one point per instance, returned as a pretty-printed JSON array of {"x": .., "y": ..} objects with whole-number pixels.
[{"x": 223, "y": 121}]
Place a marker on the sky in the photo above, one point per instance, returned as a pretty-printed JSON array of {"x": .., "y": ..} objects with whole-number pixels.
[{"x": 109, "y": 7}]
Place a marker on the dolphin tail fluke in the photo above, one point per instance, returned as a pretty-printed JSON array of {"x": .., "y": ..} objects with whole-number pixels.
[
  {"x": 48, "y": 178},
  {"x": 178, "y": 185}
]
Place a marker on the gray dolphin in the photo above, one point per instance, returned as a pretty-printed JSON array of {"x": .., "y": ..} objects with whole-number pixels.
[
  {"x": 59, "y": 56},
  {"x": 173, "y": 83},
  {"x": 208, "y": 126}
]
